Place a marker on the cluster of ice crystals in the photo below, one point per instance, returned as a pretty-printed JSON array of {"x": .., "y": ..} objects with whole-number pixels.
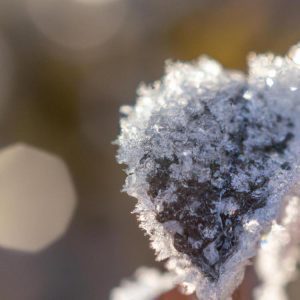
[
  {"x": 210, "y": 155},
  {"x": 277, "y": 259},
  {"x": 147, "y": 284}
]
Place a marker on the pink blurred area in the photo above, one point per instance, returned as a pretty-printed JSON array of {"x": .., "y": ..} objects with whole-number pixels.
[{"x": 65, "y": 69}]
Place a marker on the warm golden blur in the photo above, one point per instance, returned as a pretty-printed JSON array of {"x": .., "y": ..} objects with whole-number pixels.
[{"x": 66, "y": 66}]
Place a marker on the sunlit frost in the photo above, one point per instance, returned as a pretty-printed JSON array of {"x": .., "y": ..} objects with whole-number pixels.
[{"x": 211, "y": 156}]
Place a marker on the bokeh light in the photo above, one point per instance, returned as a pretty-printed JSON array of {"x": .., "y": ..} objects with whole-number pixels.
[
  {"x": 77, "y": 24},
  {"x": 37, "y": 198}
]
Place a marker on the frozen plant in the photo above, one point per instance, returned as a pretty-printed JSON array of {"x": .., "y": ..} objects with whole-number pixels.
[
  {"x": 277, "y": 259},
  {"x": 210, "y": 156},
  {"x": 147, "y": 284}
]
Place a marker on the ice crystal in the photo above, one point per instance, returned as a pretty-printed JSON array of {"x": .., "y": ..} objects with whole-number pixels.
[
  {"x": 277, "y": 259},
  {"x": 148, "y": 284},
  {"x": 210, "y": 155}
]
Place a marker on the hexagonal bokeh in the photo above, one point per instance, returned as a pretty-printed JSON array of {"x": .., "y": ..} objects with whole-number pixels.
[{"x": 37, "y": 198}]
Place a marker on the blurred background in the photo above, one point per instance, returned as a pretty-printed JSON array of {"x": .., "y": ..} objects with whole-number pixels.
[{"x": 66, "y": 66}]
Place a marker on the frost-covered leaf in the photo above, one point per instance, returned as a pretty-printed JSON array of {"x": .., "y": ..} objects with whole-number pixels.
[{"x": 210, "y": 155}]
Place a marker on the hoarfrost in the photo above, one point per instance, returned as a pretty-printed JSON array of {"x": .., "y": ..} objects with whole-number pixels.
[
  {"x": 213, "y": 153},
  {"x": 148, "y": 284},
  {"x": 277, "y": 259}
]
